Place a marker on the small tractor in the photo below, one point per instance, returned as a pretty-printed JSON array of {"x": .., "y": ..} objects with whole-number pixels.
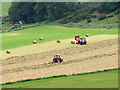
[
  {"x": 81, "y": 41},
  {"x": 57, "y": 59}
]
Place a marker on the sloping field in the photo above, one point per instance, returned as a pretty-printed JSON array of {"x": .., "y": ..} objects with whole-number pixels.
[
  {"x": 100, "y": 53},
  {"x": 50, "y": 46}
]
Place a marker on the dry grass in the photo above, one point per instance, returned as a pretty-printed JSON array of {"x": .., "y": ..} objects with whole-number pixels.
[{"x": 50, "y": 46}]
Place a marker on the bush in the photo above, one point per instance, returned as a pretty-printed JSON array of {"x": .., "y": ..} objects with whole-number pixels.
[
  {"x": 102, "y": 17},
  {"x": 64, "y": 21},
  {"x": 93, "y": 16},
  {"x": 94, "y": 9},
  {"x": 88, "y": 17},
  {"x": 109, "y": 16},
  {"x": 89, "y": 20}
]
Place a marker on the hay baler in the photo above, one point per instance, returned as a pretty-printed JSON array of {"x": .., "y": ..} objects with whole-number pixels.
[{"x": 81, "y": 40}]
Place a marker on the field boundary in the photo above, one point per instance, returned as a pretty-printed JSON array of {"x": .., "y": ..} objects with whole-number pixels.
[{"x": 106, "y": 70}]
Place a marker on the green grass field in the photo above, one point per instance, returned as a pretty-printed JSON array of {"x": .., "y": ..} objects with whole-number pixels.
[
  {"x": 105, "y": 79},
  {"x": 54, "y": 31},
  {"x": 49, "y": 33},
  {"x": 5, "y": 8}
]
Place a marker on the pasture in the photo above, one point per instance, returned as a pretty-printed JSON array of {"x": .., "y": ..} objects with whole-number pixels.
[
  {"x": 105, "y": 79},
  {"x": 49, "y": 33}
]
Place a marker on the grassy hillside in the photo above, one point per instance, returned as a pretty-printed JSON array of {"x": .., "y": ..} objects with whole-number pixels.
[
  {"x": 108, "y": 79},
  {"x": 111, "y": 22},
  {"x": 106, "y": 23},
  {"x": 5, "y": 8}
]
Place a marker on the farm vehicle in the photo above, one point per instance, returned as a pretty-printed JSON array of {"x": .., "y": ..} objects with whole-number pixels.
[
  {"x": 80, "y": 40},
  {"x": 57, "y": 59}
]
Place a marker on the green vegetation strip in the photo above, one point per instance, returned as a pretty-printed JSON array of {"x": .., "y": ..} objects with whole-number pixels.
[{"x": 98, "y": 79}]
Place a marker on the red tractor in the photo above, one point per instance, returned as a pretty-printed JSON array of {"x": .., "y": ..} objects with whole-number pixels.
[
  {"x": 57, "y": 59},
  {"x": 81, "y": 40}
]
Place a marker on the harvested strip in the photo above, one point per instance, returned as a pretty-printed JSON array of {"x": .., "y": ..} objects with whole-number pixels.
[{"x": 92, "y": 57}]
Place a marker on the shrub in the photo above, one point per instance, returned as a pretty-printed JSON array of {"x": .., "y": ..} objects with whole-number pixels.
[
  {"x": 93, "y": 16},
  {"x": 89, "y": 20},
  {"x": 88, "y": 17},
  {"x": 102, "y": 17},
  {"x": 109, "y": 16}
]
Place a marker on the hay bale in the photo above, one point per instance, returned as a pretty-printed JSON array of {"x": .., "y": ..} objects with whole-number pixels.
[
  {"x": 72, "y": 42},
  {"x": 34, "y": 42},
  {"x": 58, "y": 41},
  {"x": 87, "y": 35},
  {"x": 41, "y": 38},
  {"x": 8, "y": 52}
]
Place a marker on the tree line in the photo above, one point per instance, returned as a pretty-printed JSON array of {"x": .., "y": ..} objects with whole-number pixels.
[{"x": 31, "y": 12}]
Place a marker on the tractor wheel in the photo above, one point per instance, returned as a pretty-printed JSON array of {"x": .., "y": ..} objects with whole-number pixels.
[
  {"x": 77, "y": 42},
  {"x": 85, "y": 42},
  {"x": 61, "y": 60},
  {"x": 81, "y": 43}
]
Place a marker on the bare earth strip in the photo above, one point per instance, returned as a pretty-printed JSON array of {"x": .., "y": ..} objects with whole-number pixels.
[{"x": 98, "y": 55}]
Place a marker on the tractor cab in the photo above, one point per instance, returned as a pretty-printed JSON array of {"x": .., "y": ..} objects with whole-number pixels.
[
  {"x": 82, "y": 41},
  {"x": 57, "y": 58},
  {"x": 77, "y": 36}
]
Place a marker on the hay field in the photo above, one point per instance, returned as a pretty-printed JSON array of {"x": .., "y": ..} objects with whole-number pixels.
[
  {"x": 49, "y": 33},
  {"x": 52, "y": 45},
  {"x": 100, "y": 53}
]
